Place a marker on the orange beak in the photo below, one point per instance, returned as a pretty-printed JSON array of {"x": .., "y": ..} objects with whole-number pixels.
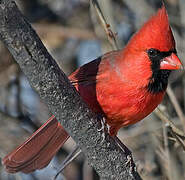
[{"x": 171, "y": 62}]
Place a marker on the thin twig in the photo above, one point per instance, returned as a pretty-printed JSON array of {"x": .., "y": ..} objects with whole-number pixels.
[
  {"x": 176, "y": 105},
  {"x": 165, "y": 119},
  {"x": 166, "y": 150},
  {"x": 107, "y": 27},
  {"x": 68, "y": 160},
  {"x": 178, "y": 139},
  {"x": 176, "y": 132}
]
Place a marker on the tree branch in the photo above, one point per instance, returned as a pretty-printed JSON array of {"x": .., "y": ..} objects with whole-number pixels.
[{"x": 63, "y": 101}]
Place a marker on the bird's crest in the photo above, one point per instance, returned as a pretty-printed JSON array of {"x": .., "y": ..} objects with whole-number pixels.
[{"x": 155, "y": 33}]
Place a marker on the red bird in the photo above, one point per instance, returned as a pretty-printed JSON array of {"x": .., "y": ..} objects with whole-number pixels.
[{"x": 124, "y": 86}]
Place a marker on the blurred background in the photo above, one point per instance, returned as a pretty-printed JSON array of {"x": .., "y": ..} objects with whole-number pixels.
[{"x": 72, "y": 33}]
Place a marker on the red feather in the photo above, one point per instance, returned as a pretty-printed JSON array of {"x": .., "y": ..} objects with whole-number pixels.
[{"x": 38, "y": 150}]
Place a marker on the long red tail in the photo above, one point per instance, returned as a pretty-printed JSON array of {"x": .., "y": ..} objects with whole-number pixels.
[{"x": 38, "y": 150}]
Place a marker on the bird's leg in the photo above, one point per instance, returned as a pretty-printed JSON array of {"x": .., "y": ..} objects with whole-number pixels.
[
  {"x": 68, "y": 160},
  {"x": 103, "y": 123},
  {"x": 104, "y": 127}
]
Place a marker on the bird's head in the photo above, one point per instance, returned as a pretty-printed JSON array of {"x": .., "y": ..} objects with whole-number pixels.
[{"x": 155, "y": 43}]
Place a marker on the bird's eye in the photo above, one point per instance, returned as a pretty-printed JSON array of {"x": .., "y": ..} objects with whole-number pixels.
[{"x": 152, "y": 52}]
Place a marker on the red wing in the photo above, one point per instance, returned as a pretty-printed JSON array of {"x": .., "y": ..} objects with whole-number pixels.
[
  {"x": 86, "y": 73},
  {"x": 95, "y": 70},
  {"x": 86, "y": 78}
]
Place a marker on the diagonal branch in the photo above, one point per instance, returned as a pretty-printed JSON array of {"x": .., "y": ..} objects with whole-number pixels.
[{"x": 63, "y": 101}]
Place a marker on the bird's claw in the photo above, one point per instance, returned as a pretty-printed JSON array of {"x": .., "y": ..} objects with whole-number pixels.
[
  {"x": 103, "y": 124},
  {"x": 104, "y": 128}
]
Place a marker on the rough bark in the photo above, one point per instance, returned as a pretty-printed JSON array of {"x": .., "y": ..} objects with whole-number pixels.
[{"x": 63, "y": 101}]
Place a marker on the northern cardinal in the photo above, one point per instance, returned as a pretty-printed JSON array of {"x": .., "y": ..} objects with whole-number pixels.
[{"x": 124, "y": 86}]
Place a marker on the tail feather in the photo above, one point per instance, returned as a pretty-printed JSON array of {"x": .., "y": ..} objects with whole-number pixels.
[{"x": 38, "y": 150}]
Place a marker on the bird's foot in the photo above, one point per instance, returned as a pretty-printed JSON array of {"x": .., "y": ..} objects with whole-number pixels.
[
  {"x": 104, "y": 128},
  {"x": 103, "y": 124}
]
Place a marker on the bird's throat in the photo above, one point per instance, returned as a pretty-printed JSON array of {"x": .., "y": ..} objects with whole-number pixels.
[{"x": 159, "y": 81}]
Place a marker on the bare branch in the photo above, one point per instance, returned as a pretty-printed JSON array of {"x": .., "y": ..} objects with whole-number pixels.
[
  {"x": 161, "y": 115},
  {"x": 61, "y": 97},
  {"x": 176, "y": 105},
  {"x": 107, "y": 27}
]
